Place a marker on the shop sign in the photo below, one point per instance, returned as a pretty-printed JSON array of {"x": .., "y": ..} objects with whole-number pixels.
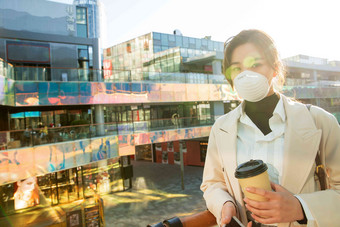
[
  {"x": 74, "y": 218},
  {"x": 92, "y": 216}
]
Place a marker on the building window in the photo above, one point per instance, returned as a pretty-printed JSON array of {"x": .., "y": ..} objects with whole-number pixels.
[
  {"x": 164, "y": 40},
  {"x": 128, "y": 48},
  {"x": 81, "y": 22},
  {"x": 203, "y": 150}
]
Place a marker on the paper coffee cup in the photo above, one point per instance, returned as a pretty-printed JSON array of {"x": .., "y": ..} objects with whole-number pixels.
[{"x": 253, "y": 174}]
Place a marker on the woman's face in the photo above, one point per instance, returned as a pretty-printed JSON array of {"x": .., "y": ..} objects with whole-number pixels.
[{"x": 248, "y": 57}]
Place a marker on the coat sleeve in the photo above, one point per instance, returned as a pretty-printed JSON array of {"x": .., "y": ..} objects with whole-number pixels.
[
  {"x": 213, "y": 183},
  {"x": 325, "y": 205}
]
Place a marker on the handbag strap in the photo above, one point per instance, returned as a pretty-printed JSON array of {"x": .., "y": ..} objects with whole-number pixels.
[{"x": 320, "y": 169}]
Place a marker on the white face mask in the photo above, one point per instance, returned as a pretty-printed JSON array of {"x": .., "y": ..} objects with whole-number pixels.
[{"x": 251, "y": 86}]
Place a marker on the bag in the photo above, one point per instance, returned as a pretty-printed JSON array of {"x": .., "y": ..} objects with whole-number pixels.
[{"x": 320, "y": 171}]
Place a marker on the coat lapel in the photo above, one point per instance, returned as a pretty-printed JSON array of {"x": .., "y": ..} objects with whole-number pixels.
[
  {"x": 227, "y": 139},
  {"x": 301, "y": 143},
  {"x": 227, "y": 142},
  {"x": 228, "y": 153}
]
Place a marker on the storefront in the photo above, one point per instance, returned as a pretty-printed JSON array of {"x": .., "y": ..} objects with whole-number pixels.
[
  {"x": 106, "y": 176},
  {"x": 50, "y": 118},
  {"x": 143, "y": 152},
  {"x": 194, "y": 152}
]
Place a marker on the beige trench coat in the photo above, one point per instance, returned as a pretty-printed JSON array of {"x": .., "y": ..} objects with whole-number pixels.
[{"x": 307, "y": 132}]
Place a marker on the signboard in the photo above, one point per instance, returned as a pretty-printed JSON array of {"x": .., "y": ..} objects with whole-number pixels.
[
  {"x": 74, "y": 218},
  {"x": 92, "y": 216}
]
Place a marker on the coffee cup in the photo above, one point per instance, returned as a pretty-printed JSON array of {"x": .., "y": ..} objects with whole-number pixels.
[{"x": 253, "y": 174}]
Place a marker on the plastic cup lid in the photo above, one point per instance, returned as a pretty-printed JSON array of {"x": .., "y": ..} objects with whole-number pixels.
[{"x": 250, "y": 169}]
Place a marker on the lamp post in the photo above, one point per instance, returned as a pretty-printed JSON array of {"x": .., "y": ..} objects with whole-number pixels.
[{"x": 175, "y": 120}]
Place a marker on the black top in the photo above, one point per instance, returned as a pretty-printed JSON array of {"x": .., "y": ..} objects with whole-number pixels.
[{"x": 260, "y": 112}]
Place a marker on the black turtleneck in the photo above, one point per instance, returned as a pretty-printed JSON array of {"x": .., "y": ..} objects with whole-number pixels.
[{"x": 260, "y": 112}]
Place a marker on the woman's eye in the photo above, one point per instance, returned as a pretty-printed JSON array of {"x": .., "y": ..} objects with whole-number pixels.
[
  {"x": 256, "y": 65},
  {"x": 236, "y": 69}
]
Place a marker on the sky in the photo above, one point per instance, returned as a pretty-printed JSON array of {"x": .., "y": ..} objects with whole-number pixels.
[{"x": 310, "y": 27}]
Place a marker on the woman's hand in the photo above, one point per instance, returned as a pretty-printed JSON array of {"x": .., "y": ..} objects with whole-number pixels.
[
  {"x": 282, "y": 206},
  {"x": 228, "y": 211}
]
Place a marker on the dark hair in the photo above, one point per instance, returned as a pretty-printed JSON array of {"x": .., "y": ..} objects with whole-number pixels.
[{"x": 263, "y": 42}]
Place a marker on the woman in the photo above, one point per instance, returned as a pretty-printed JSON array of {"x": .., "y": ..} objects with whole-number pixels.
[{"x": 281, "y": 132}]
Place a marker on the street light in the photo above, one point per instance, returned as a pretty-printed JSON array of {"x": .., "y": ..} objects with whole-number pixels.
[{"x": 175, "y": 117}]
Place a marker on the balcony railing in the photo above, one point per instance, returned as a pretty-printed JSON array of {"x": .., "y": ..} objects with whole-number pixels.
[
  {"x": 32, "y": 73},
  {"x": 166, "y": 77},
  {"x": 48, "y": 135}
]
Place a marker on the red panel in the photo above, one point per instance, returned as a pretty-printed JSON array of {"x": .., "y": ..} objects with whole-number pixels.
[
  {"x": 185, "y": 158},
  {"x": 176, "y": 146},
  {"x": 159, "y": 156},
  {"x": 171, "y": 158},
  {"x": 194, "y": 153}
]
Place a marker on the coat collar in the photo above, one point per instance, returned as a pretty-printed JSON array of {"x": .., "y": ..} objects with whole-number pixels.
[{"x": 231, "y": 119}]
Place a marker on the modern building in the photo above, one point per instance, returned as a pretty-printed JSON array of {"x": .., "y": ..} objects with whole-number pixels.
[
  {"x": 68, "y": 129},
  {"x": 54, "y": 145},
  {"x": 314, "y": 80},
  {"x": 187, "y": 70}
]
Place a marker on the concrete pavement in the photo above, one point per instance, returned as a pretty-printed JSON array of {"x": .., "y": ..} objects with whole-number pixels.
[{"x": 156, "y": 195}]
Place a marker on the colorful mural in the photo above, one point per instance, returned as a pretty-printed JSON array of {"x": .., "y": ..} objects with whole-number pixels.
[
  {"x": 22, "y": 163},
  {"x": 30, "y": 93},
  {"x": 126, "y": 145},
  {"x": 171, "y": 135}
]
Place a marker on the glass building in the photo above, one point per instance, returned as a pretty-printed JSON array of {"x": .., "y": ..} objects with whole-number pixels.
[
  {"x": 68, "y": 130},
  {"x": 159, "y": 56},
  {"x": 52, "y": 152}
]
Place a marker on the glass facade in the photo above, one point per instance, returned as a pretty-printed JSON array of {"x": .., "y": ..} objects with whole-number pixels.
[
  {"x": 32, "y": 61},
  {"x": 126, "y": 59},
  {"x": 38, "y": 16},
  {"x": 31, "y": 128},
  {"x": 195, "y": 45},
  {"x": 141, "y": 58},
  {"x": 65, "y": 186}
]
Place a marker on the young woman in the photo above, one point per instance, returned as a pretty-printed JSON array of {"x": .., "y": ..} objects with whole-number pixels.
[{"x": 283, "y": 133}]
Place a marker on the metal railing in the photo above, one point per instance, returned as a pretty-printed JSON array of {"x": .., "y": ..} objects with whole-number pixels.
[
  {"x": 32, "y": 73},
  {"x": 47, "y": 135}
]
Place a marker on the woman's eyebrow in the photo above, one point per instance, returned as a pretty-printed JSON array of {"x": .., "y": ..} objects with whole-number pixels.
[{"x": 255, "y": 58}]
